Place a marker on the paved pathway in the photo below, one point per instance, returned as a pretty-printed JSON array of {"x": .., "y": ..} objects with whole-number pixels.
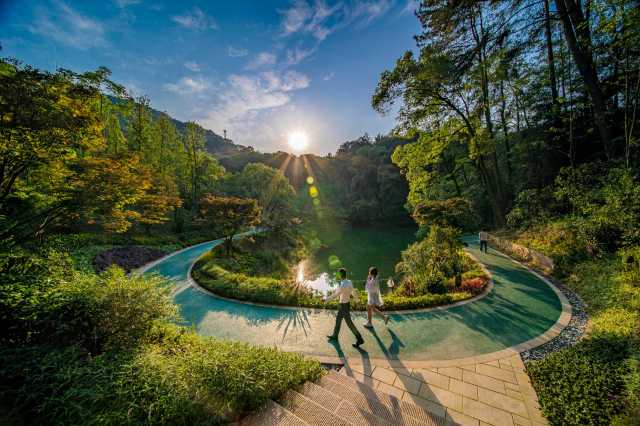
[
  {"x": 519, "y": 309},
  {"x": 497, "y": 392},
  {"x": 460, "y": 363}
]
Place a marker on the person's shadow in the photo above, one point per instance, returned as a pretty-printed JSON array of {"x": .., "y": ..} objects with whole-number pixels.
[{"x": 338, "y": 348}]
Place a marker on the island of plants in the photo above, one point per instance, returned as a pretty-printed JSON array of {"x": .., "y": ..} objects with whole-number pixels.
[{"x": 434, "y": 271}]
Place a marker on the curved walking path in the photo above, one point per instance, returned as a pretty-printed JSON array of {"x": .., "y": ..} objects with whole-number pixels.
[{"x": 521, "y": 311}]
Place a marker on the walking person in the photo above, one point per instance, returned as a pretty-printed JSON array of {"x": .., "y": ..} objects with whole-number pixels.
[
  {"x": 344, "y": 291},
  {"x": 374, "y": 298},
  {"x": 484, "y": 239}
]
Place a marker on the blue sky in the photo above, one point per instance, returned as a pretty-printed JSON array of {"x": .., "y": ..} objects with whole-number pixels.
[{"x": 260, "y": 69}]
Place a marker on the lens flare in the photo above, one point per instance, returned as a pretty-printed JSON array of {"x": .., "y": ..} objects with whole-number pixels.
[{"x": 298, "y": 140}]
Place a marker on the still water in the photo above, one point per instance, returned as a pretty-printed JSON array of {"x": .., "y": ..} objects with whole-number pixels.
[{"x": 355, "y": 249}]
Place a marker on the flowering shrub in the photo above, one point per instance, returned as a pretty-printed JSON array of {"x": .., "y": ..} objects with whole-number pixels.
[{"x": 474, "y": 286}]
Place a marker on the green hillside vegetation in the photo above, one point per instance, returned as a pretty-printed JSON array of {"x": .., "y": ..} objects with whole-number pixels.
[{"x": 524, "y": 119}]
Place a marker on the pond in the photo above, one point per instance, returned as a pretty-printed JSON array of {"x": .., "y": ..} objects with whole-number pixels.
[{"x": 356, "y": 249}]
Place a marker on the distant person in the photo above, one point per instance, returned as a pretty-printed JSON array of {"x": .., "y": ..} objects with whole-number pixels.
[
  {"x": 374, "y": 299},
  {"x": 484, "y": 239},
  {"x": 344, "y": 291}
]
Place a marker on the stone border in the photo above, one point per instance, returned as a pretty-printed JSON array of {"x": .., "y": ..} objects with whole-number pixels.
[{"x": 487, "y": 289}]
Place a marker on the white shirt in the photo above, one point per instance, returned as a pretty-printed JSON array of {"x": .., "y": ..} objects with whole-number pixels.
[
  {"x": 372, "y": 285},
  {"x": 483, "y": 236},
  {"x": 345, "y": 291}
]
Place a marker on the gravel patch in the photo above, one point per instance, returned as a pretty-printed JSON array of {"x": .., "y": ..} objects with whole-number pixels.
[{"x": 570, "y": 335}]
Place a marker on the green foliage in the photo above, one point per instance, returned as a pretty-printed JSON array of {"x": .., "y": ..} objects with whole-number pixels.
[
  {"x": 608, "y": 202},
  {"x": 531, "y": 207},
  {"x": 54, "y": 303},
  {"x": 228, "y": 215},
  {"x": 80, "y": 348},
  {"x": 177, "y": 378},
  {"x": 593, "y": 382},
  {"x": 427, "y": 264},
  {"x": 453, "y": 212},
  {"x": 584, "y": 384},
  {"x": 211, "y": 273}
]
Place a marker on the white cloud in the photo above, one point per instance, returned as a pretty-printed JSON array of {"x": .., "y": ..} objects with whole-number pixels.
[
  {"x": 192, "y": 66},
  {"x": 187, "y": 86},
  {"x": 245, "y": 103},
  {"x": 410, "y": 7},
  {"x": 321, "y": 20},
  {"x": 329, "y": 76},
  {"x": 126, "y": 3},
  {"x": 195, "y": 19},
  {"x": 234, "y": 52},
  {"x": 261, "y": 60},
  {"x": 297, "y": 55},
  {"x": 67, "y": 26}
]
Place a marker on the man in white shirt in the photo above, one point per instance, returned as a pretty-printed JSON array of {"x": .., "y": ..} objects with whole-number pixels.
[
  {"x": 344, "y": 291},
  {"x": 483, "y": 236}
]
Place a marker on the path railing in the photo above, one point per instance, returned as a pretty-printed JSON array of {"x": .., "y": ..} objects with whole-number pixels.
[{"x": 522, "y": 253}]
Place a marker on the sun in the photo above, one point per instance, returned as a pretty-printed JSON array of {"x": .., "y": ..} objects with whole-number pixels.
[{"x": 298, "y": 140}]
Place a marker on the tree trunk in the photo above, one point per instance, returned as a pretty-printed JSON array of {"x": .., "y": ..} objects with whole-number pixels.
[
  {"x": 576, "y": 30},
  {"x": 550, "y": 57}
]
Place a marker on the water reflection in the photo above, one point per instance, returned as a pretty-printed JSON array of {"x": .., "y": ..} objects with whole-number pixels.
[{"x": 323, "y": 283}]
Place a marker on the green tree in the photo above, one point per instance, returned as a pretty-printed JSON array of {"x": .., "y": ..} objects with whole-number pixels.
[{"x": 228, "y": 216}]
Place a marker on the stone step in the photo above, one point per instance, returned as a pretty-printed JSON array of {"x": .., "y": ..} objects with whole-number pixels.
[
  {"x": 273, "y": 414},
  {"x": 310, "y": 411},
  {"x": 380, "y": 404},
  {"x": 342, "y": 407}
]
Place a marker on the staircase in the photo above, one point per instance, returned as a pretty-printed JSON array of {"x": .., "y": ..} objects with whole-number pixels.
[{"x": 337, "y": 400}]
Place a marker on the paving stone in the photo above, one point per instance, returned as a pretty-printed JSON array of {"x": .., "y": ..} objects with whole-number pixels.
[
  {"x": 458, "y": 418},
  {"x": 402, "y": 370},
  {"x": 496, "y": 373},
  {"x": 391, "y": 390},
  {"x": 521, "y": 421},
  {"x": 483, "y": 381},
  {"x": 364, "y": 369},
  {"x": 522, "y": 379},
  {"x": 433, "y": 407},
  {"x": 512, "y": 386},
  {"x": 361, "y": 378},
  {"x": 408, "y": 384},
  {"x": 516, "y": 362},
  {"x": 384, "y": 375},
  {"x": 441, "y": 396},
  {"x": 454, "y": 372},
  {"x": 515, "y": 394},
  {"x": 503, "y": 402},
  {"x": 467, "y": 389},
  {"x": 486, "y": 412},
  {"x": 273, "y": 414},
  {"x": 431, "y": 377},
  {"x": 505, "y": 364}
]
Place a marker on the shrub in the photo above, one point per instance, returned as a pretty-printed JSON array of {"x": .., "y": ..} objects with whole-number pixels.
[
  {"x": 630, "y": 265},
  {"x": 584, "y": 384},
  {"x": 177, "y": 378},
  {"x": 474, "y": 286},
  {"x": 532, "y": 207},
  {"x": 282, "y": 292},
  {"x": 426, "y": 264}
]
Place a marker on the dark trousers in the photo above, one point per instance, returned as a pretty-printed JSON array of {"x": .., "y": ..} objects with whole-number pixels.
[
  {"x": 345, "y": 314},
  {"x": 483, "y": 246}
]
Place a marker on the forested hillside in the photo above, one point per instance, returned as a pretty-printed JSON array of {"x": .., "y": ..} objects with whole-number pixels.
[{"x": 524, "y": 117}]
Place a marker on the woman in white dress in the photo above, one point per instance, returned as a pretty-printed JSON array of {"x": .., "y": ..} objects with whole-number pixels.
[{"x": 374, "y": 298}]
